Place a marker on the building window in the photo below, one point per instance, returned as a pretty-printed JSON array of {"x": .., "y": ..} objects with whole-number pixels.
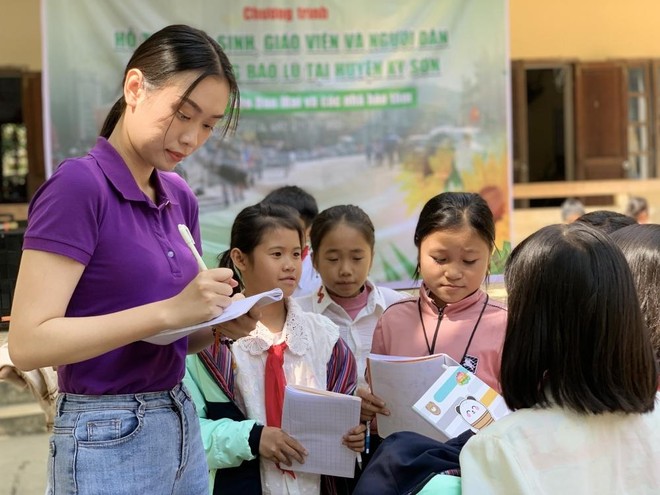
[
  {"x": 639, "y": 164},
  {"x": 13, "y": 143}
]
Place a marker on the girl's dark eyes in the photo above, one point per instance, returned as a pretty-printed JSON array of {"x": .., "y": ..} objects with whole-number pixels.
[
  {"x": 444, "y": 260},
  {"x": 279, "y": 253},
  {"x": 182, "y": 116},
  {"x": 334, "y": 260}
]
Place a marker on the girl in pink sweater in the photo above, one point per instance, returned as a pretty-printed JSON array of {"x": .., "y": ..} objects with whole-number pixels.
[{"x": 455, "y": 236}]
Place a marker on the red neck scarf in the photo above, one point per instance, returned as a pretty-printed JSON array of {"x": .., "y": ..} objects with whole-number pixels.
[{"x": 274, "y": 384}]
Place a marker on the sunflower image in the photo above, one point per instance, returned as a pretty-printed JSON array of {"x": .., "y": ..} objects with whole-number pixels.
[
  {"x": 424, "y": 177},
  {"x": 488, "y": 177},
  {"x": 486, "y": 174}
]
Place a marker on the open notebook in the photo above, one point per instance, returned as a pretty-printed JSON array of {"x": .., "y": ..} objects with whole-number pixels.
[
  {"x": 400, "y": 381},
  {"x": 235, "y": 309},
  {"x": 319, "y": 419}
]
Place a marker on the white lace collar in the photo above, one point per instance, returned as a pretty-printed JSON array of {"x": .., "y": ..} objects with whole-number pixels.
[{"x": 297, "y": 340}]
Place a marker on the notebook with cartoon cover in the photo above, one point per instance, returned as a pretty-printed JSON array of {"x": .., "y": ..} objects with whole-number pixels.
[{"x": 458, "y": 401}]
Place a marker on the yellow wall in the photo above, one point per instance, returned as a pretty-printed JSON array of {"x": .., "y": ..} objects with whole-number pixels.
[
  {"x": 584, "y": 29},
  {"x": 579, "y": 29},
  {"x": 20, "y": 34}
]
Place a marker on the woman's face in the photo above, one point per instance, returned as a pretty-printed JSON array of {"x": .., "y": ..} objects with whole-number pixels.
[{"x": 163, "y": 128}]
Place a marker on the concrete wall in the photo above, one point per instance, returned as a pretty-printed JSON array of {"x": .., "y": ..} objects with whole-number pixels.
[
  {"x": 20, "y": 34},
  {"x": 584, "y": 29}
]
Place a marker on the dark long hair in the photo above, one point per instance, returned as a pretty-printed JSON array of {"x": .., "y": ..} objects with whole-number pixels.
[
  {"x": 641, "y": 247},
  {"x": 575, "y": 334},
  {"x": 249, "y": 228},
  {"x": 170, "y": 51},
  {"x": 452, "y": 210}
]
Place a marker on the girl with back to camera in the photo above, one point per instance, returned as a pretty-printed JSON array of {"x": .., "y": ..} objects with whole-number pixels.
[
  {"x": 288, "y": 345},
  {"x": 343, "y": 239},
  {"x": 641, "y": 247},
  {"x": 455, "y": 236},
  {"x": 578, "y": 372},
  {"x": 89, "y": 290}
]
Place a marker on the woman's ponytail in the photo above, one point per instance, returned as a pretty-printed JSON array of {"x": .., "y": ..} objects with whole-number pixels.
[{"x": 113, "y": 117}]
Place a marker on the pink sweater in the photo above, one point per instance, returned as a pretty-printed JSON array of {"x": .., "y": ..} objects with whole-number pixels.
[{"x": 399, "y": 332}]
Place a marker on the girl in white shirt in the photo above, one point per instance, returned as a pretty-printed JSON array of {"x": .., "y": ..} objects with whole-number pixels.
[
  {"x": 343, "y": 239},
  {"x": 288, "y": 344}
]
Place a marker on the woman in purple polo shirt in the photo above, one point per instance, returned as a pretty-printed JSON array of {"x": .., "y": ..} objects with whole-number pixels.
[{"x": 104, "y": 266}]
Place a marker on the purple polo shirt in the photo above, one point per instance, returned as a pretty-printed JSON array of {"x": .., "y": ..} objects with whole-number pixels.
[{"x": 91, "y": 210}]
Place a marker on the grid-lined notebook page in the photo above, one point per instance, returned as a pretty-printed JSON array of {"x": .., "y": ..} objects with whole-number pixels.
[{"x": 319, "y": 419}]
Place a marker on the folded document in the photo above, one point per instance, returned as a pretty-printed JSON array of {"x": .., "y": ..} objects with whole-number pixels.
[{"x": 234, "y": 310}]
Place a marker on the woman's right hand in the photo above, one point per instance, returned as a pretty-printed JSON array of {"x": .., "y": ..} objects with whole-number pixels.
[
  {"x": 204, "y": 298},
  {"x": 279, "y": 447},
  {"x": 371, "y": 405}
]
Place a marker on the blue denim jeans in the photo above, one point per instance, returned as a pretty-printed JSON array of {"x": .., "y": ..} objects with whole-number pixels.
[{"x": 127, "y": 444}]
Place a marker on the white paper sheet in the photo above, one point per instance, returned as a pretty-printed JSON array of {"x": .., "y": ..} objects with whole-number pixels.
[
  {"x": 319, "y": 419},
  {"x": 235, "y": 309}
]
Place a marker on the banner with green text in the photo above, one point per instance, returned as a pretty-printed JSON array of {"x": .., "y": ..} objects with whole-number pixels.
[{"x": 382, "y": 104}]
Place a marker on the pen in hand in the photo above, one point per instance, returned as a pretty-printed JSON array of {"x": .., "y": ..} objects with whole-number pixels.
[
  {"x": 190, "y": 242},
  {"x": 367, "y": 438}
]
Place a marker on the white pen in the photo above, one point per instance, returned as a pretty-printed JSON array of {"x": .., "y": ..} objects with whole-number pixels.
[
  {"x": 190, "y": 242},
  {"x": 359, "y": 460}
]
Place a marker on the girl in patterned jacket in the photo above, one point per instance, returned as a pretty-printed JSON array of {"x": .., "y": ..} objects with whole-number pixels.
[{"x": 288, "y": 345}]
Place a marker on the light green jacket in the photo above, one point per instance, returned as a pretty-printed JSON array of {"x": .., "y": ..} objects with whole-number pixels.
[{"x": 225, "y": 440}]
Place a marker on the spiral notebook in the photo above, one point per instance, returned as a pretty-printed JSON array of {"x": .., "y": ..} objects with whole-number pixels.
[{"x": 319, "y": 419}]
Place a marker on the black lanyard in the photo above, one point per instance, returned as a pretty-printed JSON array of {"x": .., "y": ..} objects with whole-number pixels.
[
  {"x": 431, "y": 347},
  {"x": 441, "y": 312}
]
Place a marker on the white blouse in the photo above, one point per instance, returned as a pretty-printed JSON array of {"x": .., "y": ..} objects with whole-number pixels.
[
  {"x": 310, "y": 340},
  {"x": 357, "y": 333},
  {"x": 556, "y": 451}
]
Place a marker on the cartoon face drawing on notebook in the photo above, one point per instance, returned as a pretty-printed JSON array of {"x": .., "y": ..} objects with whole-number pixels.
[{"x": 474, "y": 413}]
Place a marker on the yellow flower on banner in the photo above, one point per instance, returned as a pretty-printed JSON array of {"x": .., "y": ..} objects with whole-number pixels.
[
  {"x": 489, "y": 178},
  {"x": 422, "y": 178}
]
